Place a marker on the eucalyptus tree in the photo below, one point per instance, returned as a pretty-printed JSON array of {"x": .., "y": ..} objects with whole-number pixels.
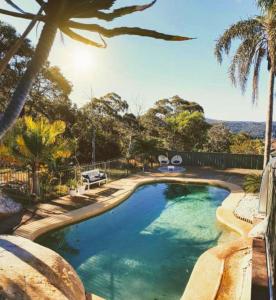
[
  {"x": 61, "y": 15},
  {"x": 257, "y": 38}
]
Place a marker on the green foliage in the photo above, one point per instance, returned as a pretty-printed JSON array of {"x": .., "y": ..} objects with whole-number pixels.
[
  {"x": 242, "y": 143},
  {"x": 187, "y": 131},
  {"x": 179, "y": 123},
  {"x": 218, "y": 139},
  {"x": 38, "y": 144},
  {"x": 252, "y": 183},
  {"x": 146, "y": 149}
]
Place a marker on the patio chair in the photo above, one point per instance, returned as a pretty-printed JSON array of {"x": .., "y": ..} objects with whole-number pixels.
[
  {"x": 176, "y": 160},
  {"x": 163, "y": 160}
]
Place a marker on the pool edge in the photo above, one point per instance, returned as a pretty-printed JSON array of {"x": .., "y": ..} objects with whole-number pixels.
[
  {"x": 224, "y": 215},
  {"x": 35, "y": 229}
]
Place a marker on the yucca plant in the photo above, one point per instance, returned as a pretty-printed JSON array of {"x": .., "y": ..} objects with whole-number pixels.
[
  {"x": 61, "y": 15},
  {"x": 38, "y": 144},
  {"x": 252, "y": 183},
  {"x": 257, "y": 38}
]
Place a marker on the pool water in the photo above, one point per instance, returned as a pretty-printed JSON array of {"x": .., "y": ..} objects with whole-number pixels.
[{"x": 144, "y": 249}]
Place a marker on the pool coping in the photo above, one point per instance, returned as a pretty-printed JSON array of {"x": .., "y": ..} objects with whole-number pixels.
[
  {"x": 37, "y": 228},
  {"x": 216, "y": 255}
]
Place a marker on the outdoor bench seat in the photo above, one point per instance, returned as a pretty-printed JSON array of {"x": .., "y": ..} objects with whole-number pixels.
[{"x": 93, "y": 177}]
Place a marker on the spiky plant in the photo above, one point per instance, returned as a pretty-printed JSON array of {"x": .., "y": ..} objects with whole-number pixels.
[
  {"x": 61, "y": 15},
  {"x": 257, "y": 38},
  {"x": 252, "y": 183},
  {"x": 38, "y": 143}
]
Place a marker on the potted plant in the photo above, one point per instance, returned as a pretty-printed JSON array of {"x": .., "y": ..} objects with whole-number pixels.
[
  {"x": 73, "y": 187},
  {"x": 76, "y": 188}
]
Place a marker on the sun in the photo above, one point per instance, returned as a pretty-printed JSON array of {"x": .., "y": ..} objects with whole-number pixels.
[{"x": 83, "y": 59}]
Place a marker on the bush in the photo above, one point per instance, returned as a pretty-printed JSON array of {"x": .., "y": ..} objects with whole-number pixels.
[{"x": 252, "y": 183}]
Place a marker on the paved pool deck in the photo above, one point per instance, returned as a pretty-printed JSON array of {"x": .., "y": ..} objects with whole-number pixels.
[{"x": 201, "y": 285}]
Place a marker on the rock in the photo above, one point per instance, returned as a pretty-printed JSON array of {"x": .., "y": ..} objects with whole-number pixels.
[
  {"x": 30, "y": 271},
  {"x": 247, "y": 208},
  {"x": 8, "y": 206}
]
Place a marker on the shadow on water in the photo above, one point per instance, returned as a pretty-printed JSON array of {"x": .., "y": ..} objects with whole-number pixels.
[{"x": 173, "y": 191}]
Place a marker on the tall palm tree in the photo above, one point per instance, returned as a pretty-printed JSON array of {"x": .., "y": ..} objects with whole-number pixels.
[
  {"x": 61, "y": 15},
  {"x": 257, "y": 44}
]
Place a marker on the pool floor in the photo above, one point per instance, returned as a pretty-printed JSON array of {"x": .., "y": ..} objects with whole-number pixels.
[{"x": 144, "y": 249}]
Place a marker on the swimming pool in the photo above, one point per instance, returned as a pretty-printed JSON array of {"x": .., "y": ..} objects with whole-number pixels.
[{"x": 146, "y": 247}]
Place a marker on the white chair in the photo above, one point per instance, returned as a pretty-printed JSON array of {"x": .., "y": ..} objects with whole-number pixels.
[
  {"x": 176, "y": 160},
  {"x": 163, "y": 160}
]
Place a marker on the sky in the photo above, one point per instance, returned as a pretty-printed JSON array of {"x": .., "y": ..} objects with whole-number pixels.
[{"x": 143, "y": 70}]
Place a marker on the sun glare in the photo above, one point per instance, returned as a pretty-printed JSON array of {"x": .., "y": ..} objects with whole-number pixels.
[{"x": 83, "y": 60}]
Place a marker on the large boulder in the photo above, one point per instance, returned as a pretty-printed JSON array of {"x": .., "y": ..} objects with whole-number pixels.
[
  {"x": 8, "y": 206},
  {"x": 10, "y": 214},
  {"x": 30, "y": 271}
]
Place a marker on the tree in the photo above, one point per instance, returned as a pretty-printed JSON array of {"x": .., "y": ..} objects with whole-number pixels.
[
  {"x": 258, "y": 43},
  {"x": 49, "y": 95},
  {"x": 243, "y": 143},
  {"x": 14, "y": 49},
  {"x": 146, "y": 148},
  {"x": 186, "y": 131},
  {"x": 38, "y": 143},
  {"x": 101, "y": 125},
  {"x": 155, "y": 119},
  {"x": 218, "y": 139},
  {"x": 61, "y": 15}
]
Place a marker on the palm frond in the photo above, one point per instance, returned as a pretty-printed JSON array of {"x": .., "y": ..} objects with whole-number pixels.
[
  {"x": 260, "y": 55},
  {"x": 77, "y": 37},
  {"x": 16, "y": 7},
  {"x": 266, "y": 4},
  {"x": 125, "y": 31},
  {"x": 77, "y": 7},
  {"x": 115, "y": 14},
  {"x": 246, "y": 29},
  {"x": 241, "y": 63}
]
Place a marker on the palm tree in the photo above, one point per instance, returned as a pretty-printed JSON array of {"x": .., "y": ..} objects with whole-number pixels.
[
  {"x": 257, "y": 44},
  {"x": 61, "y": 15},
  {"x": 266, "y": 4},
  {"x": 37, "y": 144}
]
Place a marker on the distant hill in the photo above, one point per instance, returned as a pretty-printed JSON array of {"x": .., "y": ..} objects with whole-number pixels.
[{"x": 255, "y": 129}]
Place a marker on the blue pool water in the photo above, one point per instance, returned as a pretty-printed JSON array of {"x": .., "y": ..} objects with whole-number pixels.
[{"x": 144, "y": 249}]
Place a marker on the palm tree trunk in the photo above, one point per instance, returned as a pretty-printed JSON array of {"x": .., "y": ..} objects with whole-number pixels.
[
  {"x": 269, "y": 121},
  {"x": 35, "y": 179},
  {"x": 12, "y": 51},
  {"x": 18, "y": 99}
]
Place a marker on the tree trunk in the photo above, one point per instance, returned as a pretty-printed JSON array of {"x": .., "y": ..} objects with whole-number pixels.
[
  {"x": 94, "y": 147},
  {"x": 269, "y": 121},
  {"x": 35, "y": 179},
  {"x": 18, "y": 99},
  {"x": 13, "y": 50}
]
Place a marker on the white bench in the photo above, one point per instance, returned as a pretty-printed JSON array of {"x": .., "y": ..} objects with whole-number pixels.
[{"x": 92, "y": 177}]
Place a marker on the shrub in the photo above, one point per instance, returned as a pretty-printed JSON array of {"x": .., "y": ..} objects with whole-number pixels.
[{"x": 252, "y": 183}]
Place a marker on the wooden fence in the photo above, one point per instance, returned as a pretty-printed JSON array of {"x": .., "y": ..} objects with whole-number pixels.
[{"x": 219, "y": 160}]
